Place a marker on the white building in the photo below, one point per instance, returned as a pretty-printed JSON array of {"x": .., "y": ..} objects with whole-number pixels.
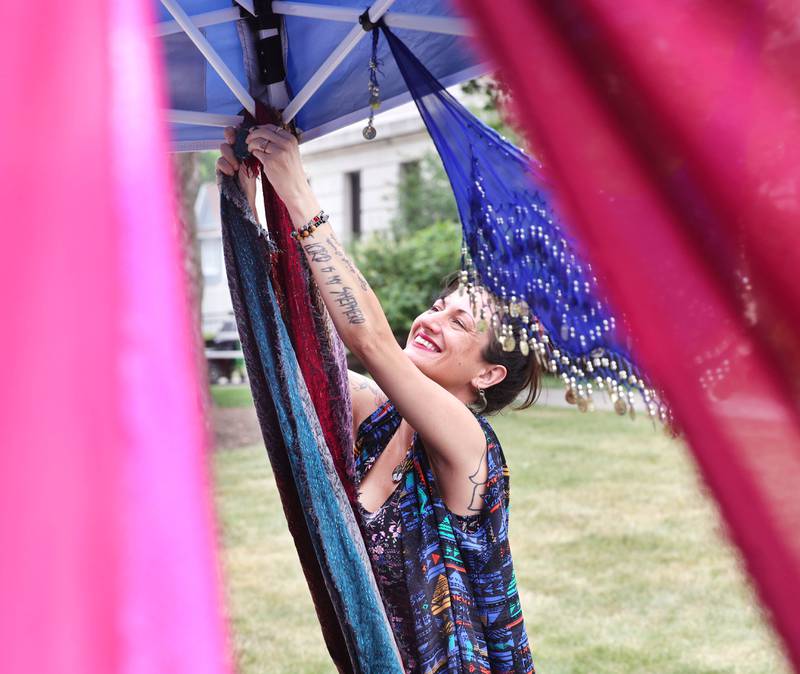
[
  {"x": 216, "y": 306},
  {"x": 355, "y": 181}
]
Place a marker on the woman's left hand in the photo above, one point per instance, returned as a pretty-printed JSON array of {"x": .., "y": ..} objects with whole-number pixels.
[{"x": 278, "y": 151}]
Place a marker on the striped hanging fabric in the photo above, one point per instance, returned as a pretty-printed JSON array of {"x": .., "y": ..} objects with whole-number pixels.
[{"x": 298, "y": 374}]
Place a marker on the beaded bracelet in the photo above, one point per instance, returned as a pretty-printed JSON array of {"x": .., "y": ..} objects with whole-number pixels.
[{"x": 306, "y": 230}]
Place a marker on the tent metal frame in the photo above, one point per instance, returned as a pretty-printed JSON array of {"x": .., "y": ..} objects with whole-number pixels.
[
  {"x": 203, "y": 118},
  {"x": 379, "y": 10},
  {"x": 447, "y": 25},
  {"x": 430, "y": 24},
  {"x": 376, "y": 11}
]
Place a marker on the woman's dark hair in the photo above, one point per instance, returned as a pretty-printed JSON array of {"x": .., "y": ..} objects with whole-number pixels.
[{"x": 523, "y": 374}]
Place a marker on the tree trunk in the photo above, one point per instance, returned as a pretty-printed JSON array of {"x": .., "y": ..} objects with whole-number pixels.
[{"x": 188, "y": 178}]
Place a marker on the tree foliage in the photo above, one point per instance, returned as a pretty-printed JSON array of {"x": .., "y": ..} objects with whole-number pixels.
[
  {"x": 424, "y": 196},
  {"x": 207, "y": 166},
  {"x": 407, "y": 272},
  {"x": 188, "y": 174},
  {"x": 490, "y": 99}
]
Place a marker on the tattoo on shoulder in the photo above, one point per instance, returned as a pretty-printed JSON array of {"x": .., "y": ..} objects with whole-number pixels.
[
  {"x": 368, "y": 385},
  {"x": 475, "y": 501},
  {"x": 379, "y": 396}
]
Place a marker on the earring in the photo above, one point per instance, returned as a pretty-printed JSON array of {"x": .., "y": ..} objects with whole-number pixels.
[{"x": 481, "y": 403}]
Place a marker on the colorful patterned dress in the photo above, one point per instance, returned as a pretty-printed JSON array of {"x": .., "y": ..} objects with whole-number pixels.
[{"x": 447, "y": 581}]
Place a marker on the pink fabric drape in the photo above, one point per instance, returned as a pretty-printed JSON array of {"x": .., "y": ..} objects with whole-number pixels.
[
  {"x": 672, "y": 132},
  {"x": 107, "y": 539}
]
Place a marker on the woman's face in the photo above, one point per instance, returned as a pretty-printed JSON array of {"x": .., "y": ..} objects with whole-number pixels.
[{"x": 445, "y": 344}]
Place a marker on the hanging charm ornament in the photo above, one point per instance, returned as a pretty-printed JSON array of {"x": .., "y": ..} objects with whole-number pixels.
[{"x": 369, "y": 131}]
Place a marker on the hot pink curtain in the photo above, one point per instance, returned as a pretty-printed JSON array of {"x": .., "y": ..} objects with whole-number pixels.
[
  {"x": 106, "y": 533},
  {"x": 672, "y": 130}
]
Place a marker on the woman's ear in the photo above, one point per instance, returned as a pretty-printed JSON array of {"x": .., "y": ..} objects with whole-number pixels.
[{"x": 489, "y": 376}]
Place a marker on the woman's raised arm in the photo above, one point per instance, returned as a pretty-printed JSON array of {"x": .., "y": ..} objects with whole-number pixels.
[{"x": 452, "y": 435}]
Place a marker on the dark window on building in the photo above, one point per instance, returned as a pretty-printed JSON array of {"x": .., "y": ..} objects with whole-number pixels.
[
  {"x": 410, "y": 171},
  {"x": 354, "y": 189}
]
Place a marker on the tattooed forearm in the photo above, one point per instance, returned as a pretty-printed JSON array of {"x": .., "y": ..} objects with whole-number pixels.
[
  {"x": 354, "y": 271},
  {"x": 475, "y": 501},
  {"x": 349, "y": 304},
  {"x": 335, "y": 246},
  {"x": 337, "y": 250},
  {"x": 341, "y": 294}
]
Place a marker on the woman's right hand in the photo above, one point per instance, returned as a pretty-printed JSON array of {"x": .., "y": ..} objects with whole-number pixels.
[{"x": 230, "y": 166}]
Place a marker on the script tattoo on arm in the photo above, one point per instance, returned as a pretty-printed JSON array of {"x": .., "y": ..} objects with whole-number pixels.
[
  {"x": 349, "y": 305},
  {"x": 334, "y": 278},
  {"x": 317, "y": 252},
  {"x": 341, "y": 294},
  {"x": 337, "y": 250}
]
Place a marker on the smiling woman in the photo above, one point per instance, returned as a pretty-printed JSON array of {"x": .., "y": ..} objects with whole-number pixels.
[
  {"x": 432, "y": 481},
  {"x": 522, "y": 372}
]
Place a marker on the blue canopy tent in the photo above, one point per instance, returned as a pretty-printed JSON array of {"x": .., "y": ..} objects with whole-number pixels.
[{"x": 308, "y": 59}]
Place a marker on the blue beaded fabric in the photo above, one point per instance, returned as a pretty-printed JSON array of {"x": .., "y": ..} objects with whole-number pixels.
[
  {"x": 547, "y": 300},
  {"x": 461, "y": 610}
]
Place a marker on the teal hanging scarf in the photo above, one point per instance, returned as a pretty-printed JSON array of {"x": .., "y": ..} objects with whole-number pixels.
[{"x": 307, "y": 473}]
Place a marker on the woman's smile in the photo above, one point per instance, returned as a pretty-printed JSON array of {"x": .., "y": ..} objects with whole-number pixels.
[{"x": 422, "y": 341}]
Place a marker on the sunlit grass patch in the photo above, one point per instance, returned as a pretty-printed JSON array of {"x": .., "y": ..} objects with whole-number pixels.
[
  {"x": 232, "y": 395},
  {"x": 619, "y": 558}
]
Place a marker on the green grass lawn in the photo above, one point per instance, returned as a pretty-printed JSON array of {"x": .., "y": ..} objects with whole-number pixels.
[
  {"x": 231, "y": 395},
  {"x": 619, "y": 556},
  {"x": 238, "y": 395}
]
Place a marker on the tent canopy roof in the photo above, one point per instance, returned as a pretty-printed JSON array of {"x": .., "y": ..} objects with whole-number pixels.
[{"x": 194, "y": 85}]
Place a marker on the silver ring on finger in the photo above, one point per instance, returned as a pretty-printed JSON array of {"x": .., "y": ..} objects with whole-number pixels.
[{"x": 264, "y": 144}]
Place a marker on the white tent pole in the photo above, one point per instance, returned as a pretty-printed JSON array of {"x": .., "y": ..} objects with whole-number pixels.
[
  {"x": 448, "y": 25},
  {"x": 211, "y": 55},
  {"x": 248, "y": 5},
  {"x": 430, "y": 24},
  {"x": 311, "y": 11},
  {"x": 200, "y": 20},
  {"x": 202, "y": 118},
  {"x": 347, "y": 45}
]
